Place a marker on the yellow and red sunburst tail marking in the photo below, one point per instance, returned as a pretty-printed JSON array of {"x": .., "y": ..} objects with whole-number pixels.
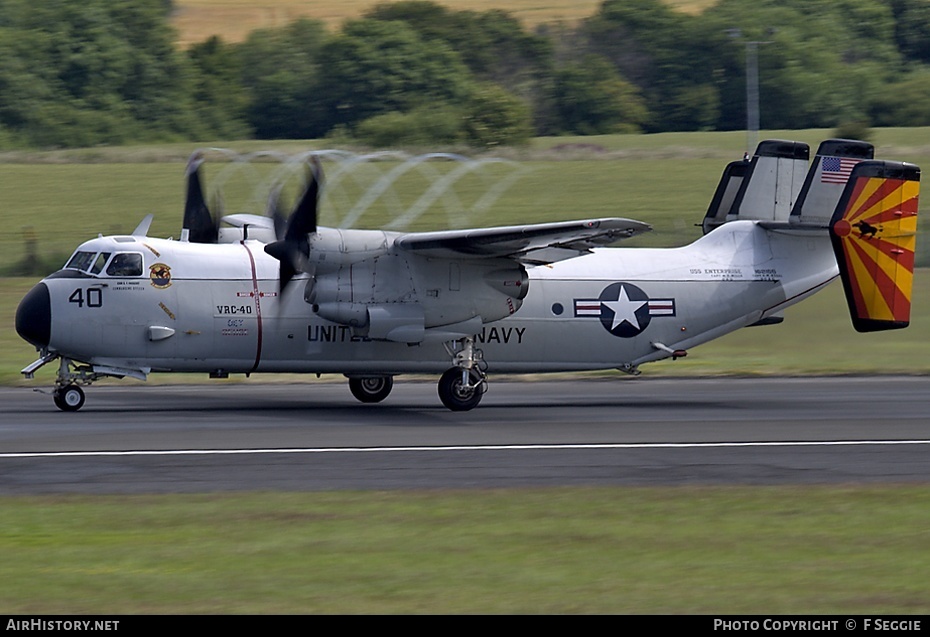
[{"x": 874, "y": 233}]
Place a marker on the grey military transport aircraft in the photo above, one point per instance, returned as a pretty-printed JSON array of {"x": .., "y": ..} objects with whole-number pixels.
[{"x": 269, "y": 294}]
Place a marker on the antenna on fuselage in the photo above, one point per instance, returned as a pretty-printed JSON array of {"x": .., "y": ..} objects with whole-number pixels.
[{"x": 142, "y": 230}]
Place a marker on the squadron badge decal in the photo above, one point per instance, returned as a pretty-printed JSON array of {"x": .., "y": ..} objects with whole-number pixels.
[
  {"x": 160, "y": 275},
  {"x": 624, "y": 309}
]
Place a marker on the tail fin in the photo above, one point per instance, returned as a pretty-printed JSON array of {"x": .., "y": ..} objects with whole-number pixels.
[
  {"x": 874, "y": 232},
  {"x": 826, "y": 180},
  {"x": 764, "y": 188},
  {"x": 720, "y": 205}
]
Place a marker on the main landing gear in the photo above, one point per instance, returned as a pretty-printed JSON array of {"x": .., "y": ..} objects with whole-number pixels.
[
  {"x": 371, "y": 389},
  {"x": 462, "y": 386}
]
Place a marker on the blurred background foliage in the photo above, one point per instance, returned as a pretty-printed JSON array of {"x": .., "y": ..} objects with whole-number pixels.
[{"x": 77, "y": 73}]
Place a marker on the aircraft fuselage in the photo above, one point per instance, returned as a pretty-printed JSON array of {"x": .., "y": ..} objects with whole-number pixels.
[{"x": 217, "y": 308}]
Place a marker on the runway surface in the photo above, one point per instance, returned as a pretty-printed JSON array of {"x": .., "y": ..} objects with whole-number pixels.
[{"x": 314, "y": 436}]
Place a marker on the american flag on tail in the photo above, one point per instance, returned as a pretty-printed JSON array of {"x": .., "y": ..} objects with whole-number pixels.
[{"x": 836, "y": 170}]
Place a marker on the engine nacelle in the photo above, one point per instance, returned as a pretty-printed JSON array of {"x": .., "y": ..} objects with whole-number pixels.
[
  {"x": 399, "y": 322},
  {"x": 399, "y": 297},
  {"x": 354, "y": 315},
  {"x": 513, "y": 282}
]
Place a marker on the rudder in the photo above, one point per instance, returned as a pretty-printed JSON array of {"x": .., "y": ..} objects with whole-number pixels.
[{"x": 874, "y": 232}]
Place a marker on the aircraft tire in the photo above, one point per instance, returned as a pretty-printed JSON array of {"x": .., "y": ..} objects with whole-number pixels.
[
  {"x": 70, "y": 398},
  {"x": 453, "y": 396},
  {"x": 371, "y": 389}
]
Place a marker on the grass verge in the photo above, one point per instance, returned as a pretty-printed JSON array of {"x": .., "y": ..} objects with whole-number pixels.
[{"x": 797, "y": 550}]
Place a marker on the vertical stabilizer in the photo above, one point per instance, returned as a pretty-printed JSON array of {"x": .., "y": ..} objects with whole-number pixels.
[
  {"x": 725, "y": 195},
  {"x": 874, "y": 233},
  {"x": 827, "y": 178},
  {"x": 772, "y": 182}
]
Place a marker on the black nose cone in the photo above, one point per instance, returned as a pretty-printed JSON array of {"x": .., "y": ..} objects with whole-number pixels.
[{"x": 34, "y": 316}]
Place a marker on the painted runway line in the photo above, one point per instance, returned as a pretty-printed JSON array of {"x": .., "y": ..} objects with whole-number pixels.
[{"x": 444, "y": 448}]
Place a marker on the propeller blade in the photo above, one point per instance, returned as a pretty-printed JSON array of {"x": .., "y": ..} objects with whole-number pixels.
[
  {"x": 274, "y": 213},
  {"x": 199, "y": 223},
  {"x": 288, "y": 254},
  {"x": 303, "y": 220},
  {"x": 293, "y": 250}
]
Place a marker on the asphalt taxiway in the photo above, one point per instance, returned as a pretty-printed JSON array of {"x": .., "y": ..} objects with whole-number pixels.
[{"x": 314, "y": 436}]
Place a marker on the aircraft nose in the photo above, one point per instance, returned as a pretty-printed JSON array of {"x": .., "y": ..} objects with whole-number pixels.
[{"x": 34, "y": 316}]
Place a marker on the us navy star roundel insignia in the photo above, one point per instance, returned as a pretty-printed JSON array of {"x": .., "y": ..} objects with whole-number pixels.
[{"x": 624, "y": 309}]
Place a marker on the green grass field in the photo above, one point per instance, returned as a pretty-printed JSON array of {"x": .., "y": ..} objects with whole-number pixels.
[
  {"x": 772, "y": 550},
  {"x": 850, "y": 549}
]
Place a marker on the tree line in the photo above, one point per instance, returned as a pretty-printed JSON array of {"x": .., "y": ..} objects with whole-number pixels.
[{"x": 89, "y": 72}]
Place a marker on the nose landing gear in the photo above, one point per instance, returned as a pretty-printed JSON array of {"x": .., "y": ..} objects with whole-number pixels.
[
  {"x": 68, "y": 395},
  {"x": 68, "y": 398}
]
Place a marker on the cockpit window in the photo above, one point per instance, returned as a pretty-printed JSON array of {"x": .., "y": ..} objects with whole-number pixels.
[
  {"x": 99, "y": 262},
  {"x": 81, "y": 261},
  {"x": 126, "y": 264}
]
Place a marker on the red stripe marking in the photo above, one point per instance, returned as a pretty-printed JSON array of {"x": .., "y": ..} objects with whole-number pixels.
[
  {"x": 849, "y": 214},
  {"x": 896, "y": 300},
  {"x": 895, "y": 213},
  {"x": 887, "y": 187},
  {"x": 902, "y": 256},
  {"x": 258, "y": 307}
]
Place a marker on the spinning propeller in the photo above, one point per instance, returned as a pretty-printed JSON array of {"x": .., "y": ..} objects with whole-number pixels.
[
  {"x": 200, "y": 224},
  {"x": 293, "y": 248}
]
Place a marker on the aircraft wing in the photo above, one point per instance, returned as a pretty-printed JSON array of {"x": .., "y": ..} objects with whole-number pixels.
[{"x": 532, "y": 244}]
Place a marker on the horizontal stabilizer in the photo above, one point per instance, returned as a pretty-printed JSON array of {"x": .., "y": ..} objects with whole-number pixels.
[{"x": 874, "y": 233}]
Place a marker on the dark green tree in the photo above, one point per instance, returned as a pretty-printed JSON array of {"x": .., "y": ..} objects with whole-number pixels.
[
  {"x": 492, "y": 44},
  {"x": 281, "y": 74},
  {"x": 666, "y": 54},
  {"x": 423, "y": 126},
  {"x": 912, "y": 28},
  {"x": 219, "y": 96},
  {"x": 905, "y": 102},
  {"x": 93, "y": 72},
  {"x": 495, "y": 117},
  {"x": 817, "y": 60},
  {"x": 592, "y": 98},
  {"x": 375, "y": 67}
]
